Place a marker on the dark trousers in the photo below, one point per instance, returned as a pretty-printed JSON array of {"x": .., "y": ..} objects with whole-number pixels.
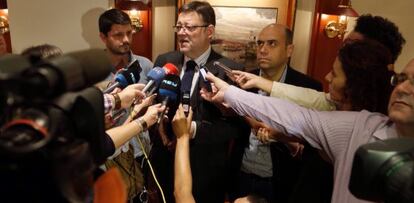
[{"x": 251, "y": 184}]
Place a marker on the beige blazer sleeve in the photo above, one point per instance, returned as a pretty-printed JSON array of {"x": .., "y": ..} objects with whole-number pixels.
[{"x": 305, "y": 97}]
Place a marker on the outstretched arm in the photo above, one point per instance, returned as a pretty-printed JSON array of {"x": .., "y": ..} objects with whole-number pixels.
[
  {"x": 248, "y": 80},
  {"x": 328, "y": 131},
  {"x": 123, "y": 133},
  {"x": 183, "y": 181},
  {"x": 305, "y": 97}
]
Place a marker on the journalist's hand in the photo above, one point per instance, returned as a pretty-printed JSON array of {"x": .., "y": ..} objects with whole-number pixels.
[
  {"x": 182, "y": 124},
  {"x": 130, "y": 94},
  {"x": 151, "y": 116}
]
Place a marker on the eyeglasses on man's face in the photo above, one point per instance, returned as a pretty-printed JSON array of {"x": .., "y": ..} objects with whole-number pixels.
[
  {"x": 190, "y": 28},
  {"x": 399, "y": 78}
]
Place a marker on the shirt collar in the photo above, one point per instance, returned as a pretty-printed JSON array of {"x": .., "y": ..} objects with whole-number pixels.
[
  {"x": 386, "y": 132},
  {"x": 283, "y": 76},
  {"x": 201, "y": 60},
  {"x": 131, "y": 59}
]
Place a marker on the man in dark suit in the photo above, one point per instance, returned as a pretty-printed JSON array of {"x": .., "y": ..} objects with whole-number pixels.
[
  {"x": 269, "y": 170},
  {"x": 211, "y": 130}
]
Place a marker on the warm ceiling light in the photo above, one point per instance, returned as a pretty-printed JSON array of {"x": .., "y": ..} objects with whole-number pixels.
[
  {"x": 338, "y": 28},
  {"x": 136, "y": 21}
]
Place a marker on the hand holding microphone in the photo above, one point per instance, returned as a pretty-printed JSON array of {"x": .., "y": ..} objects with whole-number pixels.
[
  {"x": 130, "y": 94},
  {"x": 248, "y": 80},
  {"x": 181, "y": 123},
  {"x": 152, "y": 114}
]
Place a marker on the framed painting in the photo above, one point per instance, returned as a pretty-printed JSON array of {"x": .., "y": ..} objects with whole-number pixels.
[{"x": 236, "y": 31}]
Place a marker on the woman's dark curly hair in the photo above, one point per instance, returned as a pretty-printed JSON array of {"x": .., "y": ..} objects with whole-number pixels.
[{"x": 367, "y": 76}]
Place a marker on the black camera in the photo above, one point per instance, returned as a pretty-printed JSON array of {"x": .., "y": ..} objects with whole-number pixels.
[
  {"x": 51, "y": 126},
  {"x": 383, "y": 171}
]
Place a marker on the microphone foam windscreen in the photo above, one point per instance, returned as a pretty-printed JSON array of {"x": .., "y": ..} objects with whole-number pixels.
[
  {"x": 156, "y": 74},
  {"x": 170, "y": 69},
  {"x": 169, "y": 87},
  {"x": 131, "y": 75}
]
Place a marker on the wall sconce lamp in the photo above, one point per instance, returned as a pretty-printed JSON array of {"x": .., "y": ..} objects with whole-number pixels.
[
  {"x": 338, "y": 28},
  {"x": 4, "y": 25},
  {"x": 136, "y": 21}
]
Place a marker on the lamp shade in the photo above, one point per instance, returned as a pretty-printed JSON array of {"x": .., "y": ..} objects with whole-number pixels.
[
  {"x": 133, "y": 4},
  {"x": 341, "y": 8},
  {"x": 346, "y": 11}
]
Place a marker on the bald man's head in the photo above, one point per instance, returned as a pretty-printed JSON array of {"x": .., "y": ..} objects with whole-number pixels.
[
  {"x": 288, "y": 34},
  {"x": 274, "y": 48}
]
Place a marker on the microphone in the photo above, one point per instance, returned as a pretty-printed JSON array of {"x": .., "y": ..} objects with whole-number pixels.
[
  {"x": 206, "y": 83},
  {"x": 170, "y": 69},
  {"x": 155, "y": 76},
  {"x": 125, "y": 77},
  {"x": 168, "y": 93}
]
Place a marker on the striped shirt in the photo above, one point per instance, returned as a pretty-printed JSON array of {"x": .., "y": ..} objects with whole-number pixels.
[{"x": 338, "y": 133}]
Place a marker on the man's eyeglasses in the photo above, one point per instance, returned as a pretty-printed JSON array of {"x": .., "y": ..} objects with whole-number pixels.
[
  {"x": 189, "y": 28},
  {"x": 399, "y": 78}
]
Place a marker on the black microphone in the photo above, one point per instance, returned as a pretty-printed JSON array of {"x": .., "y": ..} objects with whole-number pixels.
[
  {"x": 168, "y": 94},
  {"x": 125, "y": 77}
]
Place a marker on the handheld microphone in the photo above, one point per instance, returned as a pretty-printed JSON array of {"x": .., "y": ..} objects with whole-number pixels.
[
  {"x": 155, "y": 76},
  {"x": 186, "y": 101},
  {"x": 125, "y": 78},
  {"x": 168, "y": 94}
]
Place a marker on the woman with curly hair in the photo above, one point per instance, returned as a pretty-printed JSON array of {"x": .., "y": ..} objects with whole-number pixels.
[{"x": 358, "y": 80}]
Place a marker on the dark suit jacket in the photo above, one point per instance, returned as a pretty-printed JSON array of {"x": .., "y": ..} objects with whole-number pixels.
[
  {"x": 286, "y": 170},
  {"x": 209, "y": 150}
]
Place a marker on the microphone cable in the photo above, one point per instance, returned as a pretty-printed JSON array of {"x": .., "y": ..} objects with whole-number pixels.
[{"x": 151, "y": 169}]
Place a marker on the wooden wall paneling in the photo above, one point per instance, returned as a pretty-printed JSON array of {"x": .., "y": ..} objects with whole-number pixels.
[
  {"x": 323, "y": 50},
  {"x": 142, "y": 40},
  {"x": 3, "y": 4}
]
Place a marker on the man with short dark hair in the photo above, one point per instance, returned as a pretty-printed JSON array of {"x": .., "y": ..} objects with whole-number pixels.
[
  {"x": 116, "y": 33},
  {"x": 211, "y": 130},
  {"x": 268, "y": 169}
]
